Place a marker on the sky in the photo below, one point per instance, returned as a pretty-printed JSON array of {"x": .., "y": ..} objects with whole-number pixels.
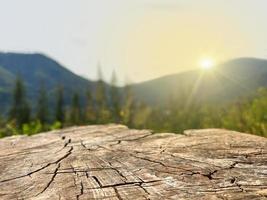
[{"x": 138, "y": 39}]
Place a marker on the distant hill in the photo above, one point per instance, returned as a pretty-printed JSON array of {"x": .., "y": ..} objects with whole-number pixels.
[
  {"x": 35, "y": 69},
  {"x": 226, "y": 82}
]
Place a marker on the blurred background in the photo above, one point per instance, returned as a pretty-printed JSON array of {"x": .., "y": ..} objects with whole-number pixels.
[{"x": 166, "y": 65}]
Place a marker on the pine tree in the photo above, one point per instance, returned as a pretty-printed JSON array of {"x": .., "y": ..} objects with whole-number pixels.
[
  {"x": 128, "y": 106},
  {"x": 90, "y": 115},
  {"x": 75, "y": 113},
  {"x": 100, "y": 94},
  {"x": 20, "y": 110},
  {"x": 42, "y": 105},
  {"x": 103, "y": 113},
  {"x": 115, "y": 99},
  {"x": 60, "y": 113}
]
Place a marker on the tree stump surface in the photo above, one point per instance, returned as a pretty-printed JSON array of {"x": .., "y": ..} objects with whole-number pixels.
[{"x": 113, "y": 162}]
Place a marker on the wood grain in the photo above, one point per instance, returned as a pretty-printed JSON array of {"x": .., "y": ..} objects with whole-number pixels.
[{"x": 113, "y": 162}]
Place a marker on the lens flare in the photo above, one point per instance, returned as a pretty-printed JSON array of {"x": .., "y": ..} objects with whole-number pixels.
[{"x": 207, "y": 64}]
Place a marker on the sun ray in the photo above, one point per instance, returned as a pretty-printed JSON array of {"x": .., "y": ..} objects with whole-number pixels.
[{"x": 193, "y": 91}]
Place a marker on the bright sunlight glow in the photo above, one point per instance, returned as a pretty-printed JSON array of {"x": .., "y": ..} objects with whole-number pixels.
[{"x": 207, "y": 64}]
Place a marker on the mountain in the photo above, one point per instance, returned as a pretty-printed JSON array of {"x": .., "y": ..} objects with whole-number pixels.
[
  {"x": 36, "y": 69},
  {"x": 226, "y": 82}
]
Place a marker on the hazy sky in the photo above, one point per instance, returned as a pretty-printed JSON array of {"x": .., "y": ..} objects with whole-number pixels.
[{"x": 139, "y": 39}]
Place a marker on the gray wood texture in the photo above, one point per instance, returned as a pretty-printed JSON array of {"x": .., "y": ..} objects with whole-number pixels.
[{"x": 113, "y": 162}]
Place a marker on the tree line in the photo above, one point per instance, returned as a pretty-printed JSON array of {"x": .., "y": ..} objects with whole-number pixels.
[
  {"x": 112, "y": 105},
  {"x": 103, "y": 105}
]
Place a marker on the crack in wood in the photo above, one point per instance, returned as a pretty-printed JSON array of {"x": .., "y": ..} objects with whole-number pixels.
[
  {"x": 51, "y": 180},
  {"x": 40, "y": 169},
  {"x": 98, "y": 182},
  {"x": 117, "y": 193},
  {"x": 136, "y": 183},
  {"x": 81, "y": 191},
  {"x": 131, "y": 140}
]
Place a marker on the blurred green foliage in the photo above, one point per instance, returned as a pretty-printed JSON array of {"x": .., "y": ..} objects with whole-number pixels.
[{"x": 102, "y": 107}]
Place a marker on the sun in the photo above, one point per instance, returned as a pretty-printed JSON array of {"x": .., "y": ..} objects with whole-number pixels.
[{"x": 207, "y": 63}]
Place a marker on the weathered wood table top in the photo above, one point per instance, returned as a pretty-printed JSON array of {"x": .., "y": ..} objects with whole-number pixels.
[{"x": 114, "y": 162}]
